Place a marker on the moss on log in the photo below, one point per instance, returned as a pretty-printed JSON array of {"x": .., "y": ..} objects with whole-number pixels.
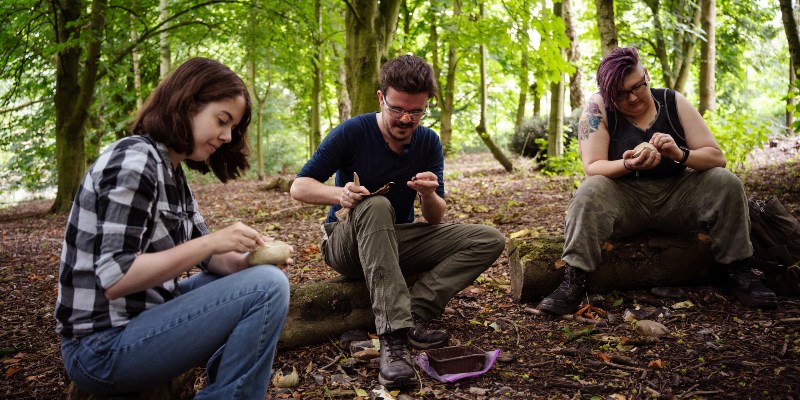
[
  {"x": 322, "y": 310},
  {"x": 644, "y": 261}
]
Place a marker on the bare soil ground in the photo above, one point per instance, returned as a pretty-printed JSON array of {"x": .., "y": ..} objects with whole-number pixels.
[{"x": 715, "y": 348}]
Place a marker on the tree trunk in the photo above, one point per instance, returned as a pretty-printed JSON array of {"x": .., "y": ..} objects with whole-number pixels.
[
  {"x": 370, "y": 26},
  {"x": 340, "y": 81},
  {"x": 448, "y": 105},
  {"x": 524, "y": 79},
  {"x": 686, "y": 13},
  {"x": 648, "y": 260},
  {"x": 606, "y": 25},
  {"x": 523, "y": 90},
  {"x": 252, "y": 82},
  {"x": 790, "y": 27},
  {"x": 791, "y": 101},
  {"x": 137, "y": 74},
  {"x": 163, "y": 42},
  {"x": 683, "y": 55},
  {"x": 315, "y": 131},
  {"x": 74, "y": 93},
  {"x": 537, "y": 100},
  {"x": 481, "y": 128},
  {"x": 446, "y": 91},
  {"x": 555, "y": 134},
  {"x": 708, "y": 55},
  {"x": 573, "y": 56}
]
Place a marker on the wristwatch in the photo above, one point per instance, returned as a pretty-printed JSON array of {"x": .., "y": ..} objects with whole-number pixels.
[{"x": 685, "y": 155}]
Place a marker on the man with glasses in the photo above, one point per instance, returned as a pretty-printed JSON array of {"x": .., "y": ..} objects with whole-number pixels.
[
  {"x": 376, "y": 237},
  {"x": 680, "y": 186}
]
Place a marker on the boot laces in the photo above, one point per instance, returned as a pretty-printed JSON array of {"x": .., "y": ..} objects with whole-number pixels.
[
  {"x": 572, "y": 283},
  {"x": 745, "y": 277},
  {"x": 396, "y": 347}
]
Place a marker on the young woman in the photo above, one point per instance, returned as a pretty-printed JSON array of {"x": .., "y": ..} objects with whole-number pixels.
[{"x": 125, "y": 319}]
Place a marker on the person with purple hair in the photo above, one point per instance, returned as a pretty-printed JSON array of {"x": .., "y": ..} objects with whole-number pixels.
[{"x": 680, "y": 184}]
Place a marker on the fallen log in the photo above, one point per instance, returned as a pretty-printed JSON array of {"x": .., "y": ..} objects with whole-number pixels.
[
  {"x": 322, "y": 310},
  {"x": 180, "y": 388},
  {"x": 647, "y": 260}
]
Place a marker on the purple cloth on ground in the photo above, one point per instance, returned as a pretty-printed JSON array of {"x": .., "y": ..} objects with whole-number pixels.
[{"x": 422, "y": 362}]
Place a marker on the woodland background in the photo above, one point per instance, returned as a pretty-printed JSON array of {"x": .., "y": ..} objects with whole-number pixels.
[{"x": 512, "y": 73}]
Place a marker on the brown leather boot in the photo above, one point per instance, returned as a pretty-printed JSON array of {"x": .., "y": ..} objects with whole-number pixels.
[{"x": 396, "y": 365}]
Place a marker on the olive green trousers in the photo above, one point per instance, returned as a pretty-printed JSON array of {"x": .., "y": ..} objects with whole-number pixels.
[
  {"x": 371, "y": 246},
  {"x": 713, "y": 201}
]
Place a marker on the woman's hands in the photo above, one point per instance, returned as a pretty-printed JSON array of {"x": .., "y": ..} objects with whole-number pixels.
[
  {"x": 665, "y": 147},
  {"x": 237, "y": 237},
  {"x": 230, "y": 244}
]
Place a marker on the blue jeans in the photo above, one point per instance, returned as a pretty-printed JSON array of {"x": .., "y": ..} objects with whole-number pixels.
[{"x": 233, "y": 321}]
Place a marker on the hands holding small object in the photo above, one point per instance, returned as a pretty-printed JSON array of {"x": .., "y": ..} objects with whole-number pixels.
[
  {"x": 272, "y": 252},
  {"x": 647, "y": 155},
  {"x": 424, "y": 182},
  {"x": 353, "y": 193}
]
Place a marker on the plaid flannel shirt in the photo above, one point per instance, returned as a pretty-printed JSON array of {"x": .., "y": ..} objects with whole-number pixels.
[{"x": 130, "y": 202}]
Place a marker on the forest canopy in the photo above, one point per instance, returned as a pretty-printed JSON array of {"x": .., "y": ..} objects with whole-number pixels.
[{"x": 72, "y": 74}]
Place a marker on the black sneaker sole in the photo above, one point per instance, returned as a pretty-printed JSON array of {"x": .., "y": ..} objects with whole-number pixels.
[
  {"x": 398, "y": 382},
  {"x": 765, "y": 300},
  {"x": 556, "y": 308}
]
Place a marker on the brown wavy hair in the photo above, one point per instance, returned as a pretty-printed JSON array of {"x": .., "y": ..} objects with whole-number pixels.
[
  {"x": 408, "y": 73},
  {"x": 166, "y": 115}
]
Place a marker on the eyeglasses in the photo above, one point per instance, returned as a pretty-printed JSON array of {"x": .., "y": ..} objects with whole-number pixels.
[
  {"x": 636, "y": 90},
  {"x": 396, "y": 112}
]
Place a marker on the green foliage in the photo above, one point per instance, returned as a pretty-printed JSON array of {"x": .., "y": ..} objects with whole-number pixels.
[
  {"x": 280, "y": 39},
  {"x": 737, "y": 133},
  {"x": 792, "y": 108},
  {"x": 526, "y": 139},
  {"x": 567, "y": 164}
]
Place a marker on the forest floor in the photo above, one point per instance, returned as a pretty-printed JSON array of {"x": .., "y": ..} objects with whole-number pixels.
[{"x": 714, "y": 349}]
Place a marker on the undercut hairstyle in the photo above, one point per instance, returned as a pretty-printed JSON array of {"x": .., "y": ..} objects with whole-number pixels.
[
  {"x": 167, "y": 114},
  {"x": 612, "y": 72},
  {"x": 410, "y": 74}
]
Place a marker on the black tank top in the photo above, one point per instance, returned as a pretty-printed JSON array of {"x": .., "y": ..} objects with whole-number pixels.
[{"x": 625, "y": 135}]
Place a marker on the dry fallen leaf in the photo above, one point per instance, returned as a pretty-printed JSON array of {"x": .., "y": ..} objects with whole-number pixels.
[
  {"x": 656, "y": 364},
  {"x": 11, "y": 371}
]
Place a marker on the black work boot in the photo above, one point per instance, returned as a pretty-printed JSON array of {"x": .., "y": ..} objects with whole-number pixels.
[
  {"x": 568, "y": 296},
  {"x": 746, "y": 286},
  {"x": 423, "y": 338},
  {"x": 396, "y": 368}
]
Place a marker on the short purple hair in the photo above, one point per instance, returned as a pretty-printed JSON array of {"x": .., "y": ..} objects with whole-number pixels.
[{"x": 612, "y": 72}]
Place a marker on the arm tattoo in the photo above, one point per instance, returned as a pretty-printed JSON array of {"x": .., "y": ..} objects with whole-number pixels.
[{"x": 590, "y": 120}]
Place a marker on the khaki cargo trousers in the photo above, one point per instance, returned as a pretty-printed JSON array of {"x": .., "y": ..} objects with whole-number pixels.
[
  {"x": 713, "y": 201},
  {"x": 371, "y": 246}
]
